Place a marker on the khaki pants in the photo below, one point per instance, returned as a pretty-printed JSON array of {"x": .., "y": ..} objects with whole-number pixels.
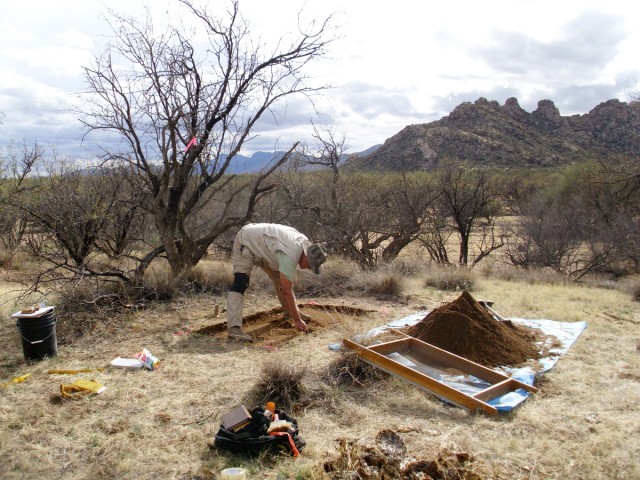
[{"x": 243, "y": 262}]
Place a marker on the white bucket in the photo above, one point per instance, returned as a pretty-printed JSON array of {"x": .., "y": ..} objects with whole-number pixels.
[{"x": 233, "y": 474}]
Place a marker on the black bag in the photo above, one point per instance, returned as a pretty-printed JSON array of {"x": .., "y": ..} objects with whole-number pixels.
[{"x": 253, "y": 438}]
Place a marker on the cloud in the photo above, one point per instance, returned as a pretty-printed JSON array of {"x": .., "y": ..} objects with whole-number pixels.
[
  {"x": 578, "y": 56},
  {"x": 568, "y": 66},
  {"x": 371, "y": 101},
  {"x": 35, "y": 111},
  {"x": 394, "y": 63}
]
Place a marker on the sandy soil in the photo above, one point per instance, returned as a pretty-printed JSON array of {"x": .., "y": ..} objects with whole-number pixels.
[
  {"x": 270, "y": 328},
  {"x": 582, "y": 423}
]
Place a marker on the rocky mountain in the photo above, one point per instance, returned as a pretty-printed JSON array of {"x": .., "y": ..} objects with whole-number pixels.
[{"x": 489, "y": 134}]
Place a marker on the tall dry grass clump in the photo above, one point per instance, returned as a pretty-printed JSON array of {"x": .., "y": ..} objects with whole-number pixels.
[
  {"x": 212, "y": 277},
  {"x": 6, "y": 259},
  {"x": 349, "y": 370},
  {"x": 450, "y": 279},
  {"x": 17, "y": 260},
  {"x": 340, "y": 276},
  {"x": 497, "y": 270},
  {"x": 384, "y": 284},
  {"x": 280, "y": 382},
  {"x": 337, "y": 277},
  {"x": 632, "y": 287}
]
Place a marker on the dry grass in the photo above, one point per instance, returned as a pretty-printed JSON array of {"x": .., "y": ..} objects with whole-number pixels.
[
  {"x": 279, "y": 382},
  {"x": 583, "y": 423},
  {"x": 349, "y": 370},
  {"x": 450, "y": 279},
  {"x": 632, "y": 287}
]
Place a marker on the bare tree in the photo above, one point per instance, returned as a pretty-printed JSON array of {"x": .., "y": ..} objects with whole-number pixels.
[
  {"x": 585, "y": 221},
  {"x": 608, "y": 197},
  {"x": 366, "y": 217},
  {"x": 318, "y": 199},
  {"x": 67, "y": 209},
  {"x": 127, "y": 227},
  {"x": 408, "y": 203},
  {"x": 436, "y": 235},
  {"x": 183, "y": 114},
  {"x": 470, "y": 200},
  {"x": 14, "y": 169}
]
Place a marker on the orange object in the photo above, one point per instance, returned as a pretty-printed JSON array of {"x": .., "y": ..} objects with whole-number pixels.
[
  {"x": 292, "y": 444},
  {"x": 270, "y": 410}
]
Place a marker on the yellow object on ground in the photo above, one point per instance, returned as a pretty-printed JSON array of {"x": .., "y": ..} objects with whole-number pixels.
[
  {"x": 80, "y": 388},
  {"x": 16, "y": 380}
]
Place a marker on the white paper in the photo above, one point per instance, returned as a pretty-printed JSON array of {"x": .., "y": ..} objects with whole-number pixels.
[{"x": 126, "y": 363}]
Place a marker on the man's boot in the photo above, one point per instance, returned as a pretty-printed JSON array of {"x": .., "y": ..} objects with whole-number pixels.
[
  {"x": 235, "y": 303},
  {"x": 236, "y": 333}
]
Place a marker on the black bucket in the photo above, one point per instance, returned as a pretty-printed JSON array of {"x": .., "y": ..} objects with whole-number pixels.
[{"x": 38, "y": 334}]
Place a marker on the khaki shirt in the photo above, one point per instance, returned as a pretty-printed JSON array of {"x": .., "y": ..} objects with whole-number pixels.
[{"x": 265, "y": 239}]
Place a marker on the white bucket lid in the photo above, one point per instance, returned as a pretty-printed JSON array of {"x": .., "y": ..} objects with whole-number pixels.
[
  {"x": 233, "y": 474},
  {"x": 37, "y": 314}
]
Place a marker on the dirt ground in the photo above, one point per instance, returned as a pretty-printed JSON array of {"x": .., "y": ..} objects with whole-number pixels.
[
  {"x": 582, "y": 423},
  {"x": 271, "y": 329}
]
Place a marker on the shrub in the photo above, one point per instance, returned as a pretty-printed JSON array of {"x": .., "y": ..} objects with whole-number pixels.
[
  {"x": 450, "y": 279},
  {"x": 207, "y": 277},
  {"x": 384, "y": 284},
  {"x": 350, "y": 370},
  {"x": 279, "y": 382},
  {"x": 632, "y": 286},
  {"x": 159, "y": 284},
  {"x": 336, "y": 276},
  {"x": 531, "y": 276}
]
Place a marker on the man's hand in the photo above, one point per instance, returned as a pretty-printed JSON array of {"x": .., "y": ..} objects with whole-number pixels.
[
  {"x": 286, "y": 287},
  {"x": 301, "y": 326}
]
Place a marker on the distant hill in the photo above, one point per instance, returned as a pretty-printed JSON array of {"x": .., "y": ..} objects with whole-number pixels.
[
  {"x": 259, "y": 160},
  {"x": 254, "y": 163},
  {"x": 489, "y": 134}
]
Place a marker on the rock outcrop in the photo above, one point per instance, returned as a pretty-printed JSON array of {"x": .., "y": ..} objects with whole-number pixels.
[{"x": 489, "y": 134}]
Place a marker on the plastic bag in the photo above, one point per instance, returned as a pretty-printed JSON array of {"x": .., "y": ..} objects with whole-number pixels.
[{"x": 147, "y": 359}]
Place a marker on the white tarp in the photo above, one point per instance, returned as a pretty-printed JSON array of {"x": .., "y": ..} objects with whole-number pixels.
[{"x": 559, "y": 338}]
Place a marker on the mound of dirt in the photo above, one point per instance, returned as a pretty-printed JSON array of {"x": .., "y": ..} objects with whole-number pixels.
[{"x": 466, "y": 328}]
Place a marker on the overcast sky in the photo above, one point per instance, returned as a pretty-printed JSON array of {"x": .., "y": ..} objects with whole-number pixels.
[{"x": 395, "y": 63}]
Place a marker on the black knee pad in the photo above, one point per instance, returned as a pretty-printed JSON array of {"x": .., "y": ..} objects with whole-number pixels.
[{"x": 240, "y": 283}]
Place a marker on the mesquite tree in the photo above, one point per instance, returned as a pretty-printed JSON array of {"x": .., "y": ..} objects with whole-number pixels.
[
  {"x": 183, "y": 111},
  {"x": 16, "y": 164},
  {"x": 365, "y": 217},
  {"x": 471, "y": 200}
]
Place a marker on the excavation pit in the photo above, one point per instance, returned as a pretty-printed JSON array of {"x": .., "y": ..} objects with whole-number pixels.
[{"x": 269, "y": 327}]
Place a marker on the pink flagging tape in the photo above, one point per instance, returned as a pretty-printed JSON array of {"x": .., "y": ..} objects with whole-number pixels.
[{"x": 191, "y": 143}]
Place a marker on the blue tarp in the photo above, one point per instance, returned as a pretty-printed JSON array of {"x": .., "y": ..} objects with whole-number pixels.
[{"x": 559, "y": 338}]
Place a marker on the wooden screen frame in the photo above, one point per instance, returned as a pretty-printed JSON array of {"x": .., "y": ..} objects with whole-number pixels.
[{"x": 499, "y": 384}]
